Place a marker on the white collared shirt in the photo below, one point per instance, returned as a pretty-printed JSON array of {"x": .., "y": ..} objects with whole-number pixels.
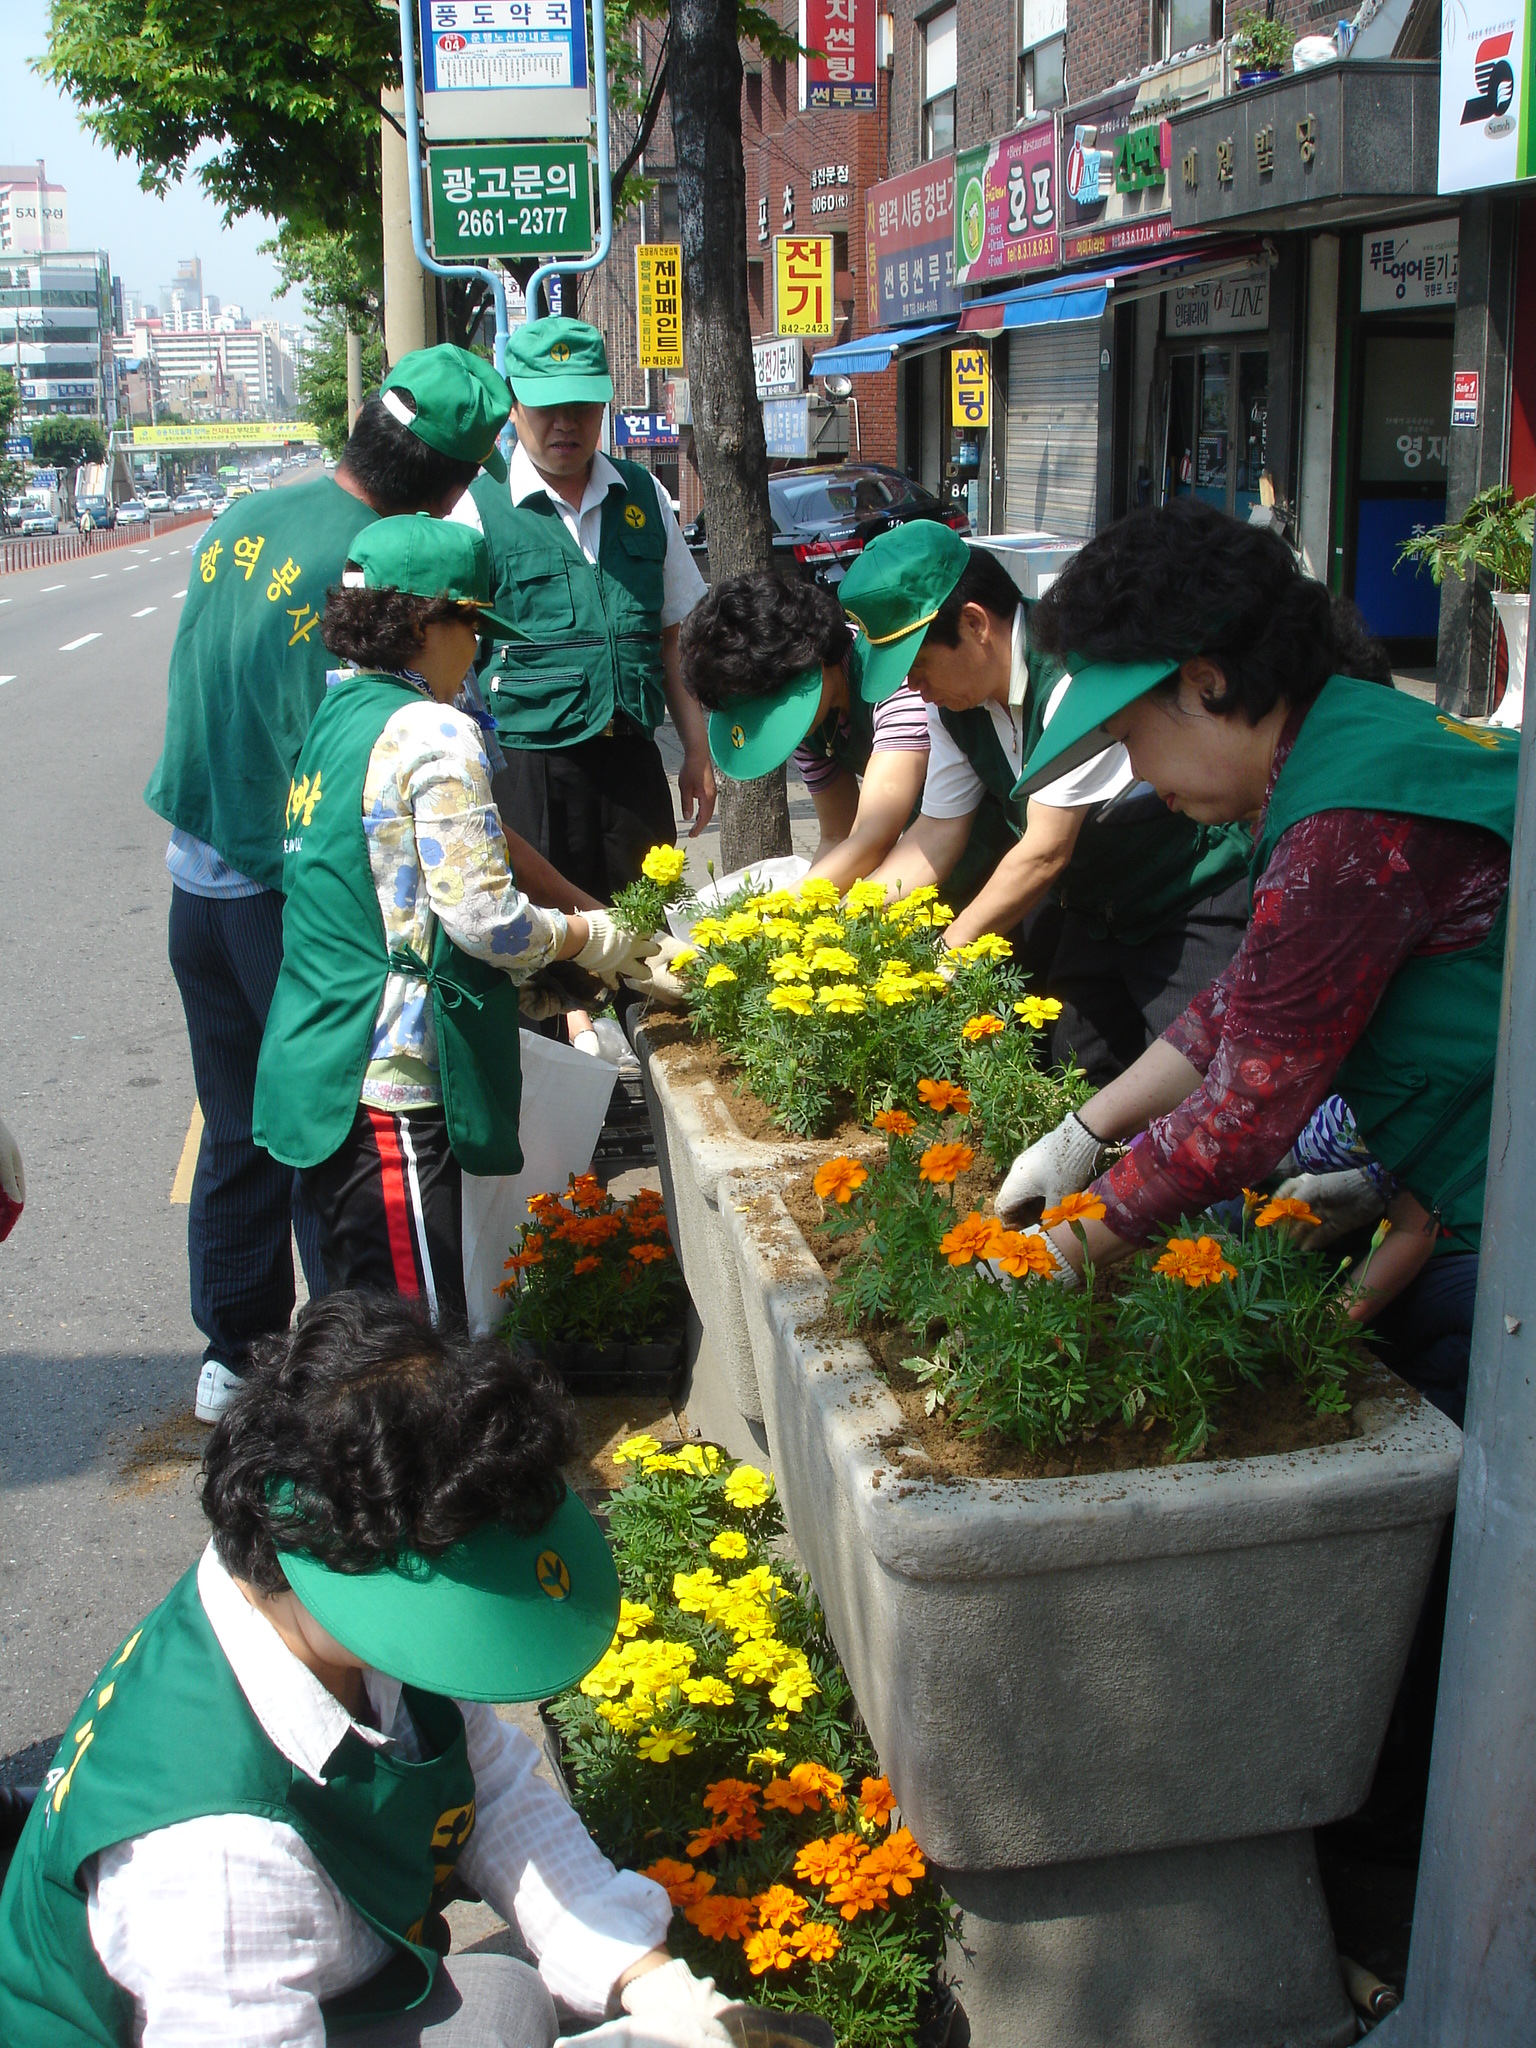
[
  {"x": 228, "y": 1929},
  {"x": 953, "y": 789},
  {"x": 682, "y": 585}
]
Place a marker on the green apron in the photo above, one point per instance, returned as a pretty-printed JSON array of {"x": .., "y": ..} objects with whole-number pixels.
[
  {"x": 165, "y": 1735},
  {"x": 314, "y": 1054},
  {"x": 248, "y": 668},
  {"x": 590, "y": 642},
  {"x": 1419, "y": 1080}
]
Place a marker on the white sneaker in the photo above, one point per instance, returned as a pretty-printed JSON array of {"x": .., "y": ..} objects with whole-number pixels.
[{"x": 217, "y": 1386}]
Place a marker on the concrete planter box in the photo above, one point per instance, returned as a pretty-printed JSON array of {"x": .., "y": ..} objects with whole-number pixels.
[{"x": 1113, "y": 1708}]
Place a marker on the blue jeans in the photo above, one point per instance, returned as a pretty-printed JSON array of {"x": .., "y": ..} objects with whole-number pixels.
[
  {"x": 1426, "y": 1334},
  {"x": 225, "y": 955}
]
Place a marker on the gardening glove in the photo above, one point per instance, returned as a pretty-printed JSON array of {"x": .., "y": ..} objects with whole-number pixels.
[
  {"x": 660, "y": 981},
  {"x": 1346, "y": 1201},
  {"x": 539, "y": 999},
  {"x": 676, "y": 2005},
  {"x": 13, "y": 1182},
  {"x": 1060, "y": 1163},
  {"x": 611, "y": 953}
]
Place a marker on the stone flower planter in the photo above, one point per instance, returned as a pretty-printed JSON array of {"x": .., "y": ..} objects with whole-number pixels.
[{"x": 1113, "y": 1708}]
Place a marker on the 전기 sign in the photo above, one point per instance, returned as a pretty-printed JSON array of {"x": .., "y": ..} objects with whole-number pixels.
[
  {"x": 659, "y": 304},
  {"x": 510, "y": 199},
  {"x": 803, "y": 283},
  {"x": 504, "y": 68}
]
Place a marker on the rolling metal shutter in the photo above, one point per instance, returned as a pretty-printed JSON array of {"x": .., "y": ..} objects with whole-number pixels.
[{"x": 1053, "y": 429}]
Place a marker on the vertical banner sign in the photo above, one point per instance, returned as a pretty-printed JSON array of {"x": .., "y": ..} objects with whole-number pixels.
[
  {"x": 1485, "y": 86},
  {"x": 510, "y": 199},
  {"x": 803, "y": 283},
  {"x": 970, "y": 389},
  {"x": 839, "y": 69},
  {"x": 503, "y": 68},
  {"x": 659, "y": 304},
  {"x": 1007, "y": 218},
  {"x": 909, "y": 225}
]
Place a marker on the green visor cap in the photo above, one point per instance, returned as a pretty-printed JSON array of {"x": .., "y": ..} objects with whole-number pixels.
[
  {"x": 559, "y": 362},
  {"x": 751, "y": 736},
  {"x": 498, "y": 1617},
  {"x": 1076, "y": 732},
  {"x": 453, "y": 401},
  {"x": 893, "y": 593},
  {"x": 427, "y": 557}
]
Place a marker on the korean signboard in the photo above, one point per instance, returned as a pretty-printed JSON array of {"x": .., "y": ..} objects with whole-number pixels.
[
  {"x": 1006, "y": 210},
  {"x": 1116, "y": 161},
  {"x": 1486, "y": 136},
  {"x": 1464, "y": 398},
  {"x": 779, "y": 366},
  {"x": 909, "y": 226},
  {"x": 787, "y": 426},
  {"x": 970, "y": 390},
  {"x": 643, "y": 430},
  {"x": 510, "y": 199},
  {"x": 839, "y": 69},
  {"x": 272, "y": 434},
  {"x": 1411, "y": 266},
  {"x": 504, "y": 68},
  {"x": 1222, "y": 305},
  {"x": 659, "y": 304},
  {"x": 803, "y": 283}
]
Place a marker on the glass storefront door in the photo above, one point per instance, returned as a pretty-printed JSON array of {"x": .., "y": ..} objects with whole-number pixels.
[
  {"x": 1216, "y": 408},
  {"x": 1402, "y": 408}
]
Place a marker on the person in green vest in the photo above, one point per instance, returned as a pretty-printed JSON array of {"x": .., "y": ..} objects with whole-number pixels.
[
  {"x": 1152, "y": 906},
  {"x": 1373, "y": 961},
  {"x": 782, "y": 675},
  {"x": 389, "y": 1063},
  {"x": 285, "y": 1771}
]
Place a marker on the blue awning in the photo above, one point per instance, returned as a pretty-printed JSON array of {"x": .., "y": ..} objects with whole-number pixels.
[
  {"x": 1035, "y": 307},
  {"x": 872, "y": 352},
  {"x": 1084, "y": 295}
]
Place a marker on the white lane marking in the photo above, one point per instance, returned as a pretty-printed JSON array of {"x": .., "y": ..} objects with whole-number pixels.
[
  {"x": 177, "y": 593},
  {"x": 157, "y": 558},
  {"x": 146, "y": 611},
  {"x": 6, "y": 679},
  {"x": 4, "y": 600},
  {"x": 100, "y": 576},
  {"x": 51, "y": 586},
  {"x": 84, "y": 641},
  {"x": 128, "y": 569}
]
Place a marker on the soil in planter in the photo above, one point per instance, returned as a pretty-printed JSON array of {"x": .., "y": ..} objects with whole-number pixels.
[{"x": 701, "y": 1059}]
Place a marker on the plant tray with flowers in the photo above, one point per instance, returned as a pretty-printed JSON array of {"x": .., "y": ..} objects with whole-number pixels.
[
  {"x": 716, "y": 1747},
  {"x": 593, "y": 1286}
]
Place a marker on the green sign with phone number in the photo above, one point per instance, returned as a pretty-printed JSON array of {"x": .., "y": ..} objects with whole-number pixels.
[{"x": 510, "y": 199}]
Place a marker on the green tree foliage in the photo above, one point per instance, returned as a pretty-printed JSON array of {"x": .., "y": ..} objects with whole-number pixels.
[
  {"x": 10, "y": 469},
  {"x": 67, "y": 442},
  {"x": 323, "y": 378}
]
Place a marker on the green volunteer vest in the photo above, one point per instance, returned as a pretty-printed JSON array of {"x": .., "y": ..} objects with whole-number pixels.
[
  {"x": 248, "y": 668},
  {"x": 165, "y": 1735},
  {"x": 1420, "y": 1078},
  {"x": 319, "y": 1032},
  {"x": 590, "y": 634}
]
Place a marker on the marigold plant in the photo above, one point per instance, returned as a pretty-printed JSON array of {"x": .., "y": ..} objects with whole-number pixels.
[
  {"x": 642, "y": 906},
  {"x": 587, "y": 1268}
]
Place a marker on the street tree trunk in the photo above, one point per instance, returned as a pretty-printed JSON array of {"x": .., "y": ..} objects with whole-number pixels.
[{"x": 704, "y": 79}]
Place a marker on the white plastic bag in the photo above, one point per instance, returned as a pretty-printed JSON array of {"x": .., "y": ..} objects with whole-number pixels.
[
  {"x": 786, "y": 872},
  {"x": 565, "y": 1099}
]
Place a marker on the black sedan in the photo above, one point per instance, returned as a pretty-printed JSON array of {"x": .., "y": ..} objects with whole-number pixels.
[{"x": 824, "y": 517}]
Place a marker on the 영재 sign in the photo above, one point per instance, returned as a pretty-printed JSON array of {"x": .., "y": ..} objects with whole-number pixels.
[
  {"x": 510, "y": 199},
  {"x": 659, "y": 305},
  {"x": 839, "y": 66},
  {"x": 1485, "y": 130},
  {"x": 970, "y": 389},
  {"x": 1006, "y": 211},
  {"x": 803, "y": 283},
  {"x": 495, "y": 69}
]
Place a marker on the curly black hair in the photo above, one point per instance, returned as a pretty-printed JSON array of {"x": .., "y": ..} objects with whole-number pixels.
[
  {"x": 1187, "y": 580},
  {"x": 395, "y": 1435},
  {"x": 984, "y": 581},
  {"x": 383, "y": 628},
  {"x": 750, "y": 635},
  {"x": 395, "y": 469}
]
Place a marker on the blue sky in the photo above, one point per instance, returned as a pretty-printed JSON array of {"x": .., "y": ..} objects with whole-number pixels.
[{"x": 143, "y": 235}]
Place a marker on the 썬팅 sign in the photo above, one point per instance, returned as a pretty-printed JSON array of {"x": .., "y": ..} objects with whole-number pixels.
[
  {"x": 495, "y": 69},
  {"x": 839, "y": 68}
]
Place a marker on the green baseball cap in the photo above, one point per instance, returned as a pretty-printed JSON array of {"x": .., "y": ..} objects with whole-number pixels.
[
  {"x": 1097, "y": 690},
  {"x": 452, "y": 400},
  {"x": 498, "y": 1617},
  {"x": 427, "y": 557},
  {"x": 751, "y": 736},
  {"x": 559, "y": 362},
  {"x": 893, "y": 593}
]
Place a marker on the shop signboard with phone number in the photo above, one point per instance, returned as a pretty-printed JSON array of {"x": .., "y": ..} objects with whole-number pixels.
[{"x": 510, "y": 199}]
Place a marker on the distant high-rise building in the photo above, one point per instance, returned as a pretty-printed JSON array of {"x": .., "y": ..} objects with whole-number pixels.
[
  {"x": 34, "y": 214},
  {"x": 56, "y": 332}
]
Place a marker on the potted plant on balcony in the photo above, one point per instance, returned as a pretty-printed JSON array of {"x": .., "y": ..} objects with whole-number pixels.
[
  {"x": 1490, "y": 544},
  {"x": 1261, "y": 49}
]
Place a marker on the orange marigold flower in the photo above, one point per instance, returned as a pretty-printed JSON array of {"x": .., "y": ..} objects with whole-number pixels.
[
  {"x": 1084, "y": 1208},
  {"x": 1021, "y": 1252},
  {"x": 713, "y": 1837},
  {"x": 942, "y": 1164},
  {"x": 648, "y": 1254},
  {"x": 783, "y": 1795},
  {"x": 589, "y": 1229},
  {"x": 546, "y": 1208},
  {"x": 877, "y": 1801},
  {"x": 1285, "y": 1209},
  {"x": 816, "y": 1943},
  {"x": 532, "y": 1254},
  {"x": 768, "y": 1950},
  {"x": 832, "y": 1858},
  {"x": 721, "y": 1918},
  {"x": 944, "y": 1096},
  {"x": 971, "y": 1238},
  {"x": 780, "y": 1903},
  {"x": 974, "y": 1029},
  {"x": 898, "y": 1861},
  {"x": 837, "y": 1179},
  {"x": 895, "y": 1121},
  {"x": 586, "y": 1191},
  {"x": 588, "y": 1264},
  {"x": 652, "y": 1224},
  {"x": 683, "y": 1885},
  {"x": 863, "y": 1892},
  {"x": 1196, "y": 1261},
  {"x": 731, "y": 1795}
]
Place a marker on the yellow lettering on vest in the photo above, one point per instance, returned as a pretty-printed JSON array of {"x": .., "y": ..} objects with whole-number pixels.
[
  {"x": 105, "y": 1694},
  {"x": 1479, "y": 735},
  {"x": 128, "y": 1648},
  {"x": 247, "y": 552},
  {"x": 303, "y": 795},
  {"x": 84, "y": 1737},
  {"x": 283, "y": 580},
  {"x": 208, "y": 561},
  {"x": 304, "y": 623},
  {"x": 454, "y": 1827}
]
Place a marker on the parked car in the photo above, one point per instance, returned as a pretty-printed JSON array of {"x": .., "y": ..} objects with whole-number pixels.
[
  {"x": 95, "y": 512},
  {"x": 133, "y": 512},
  {"x": 189, "y": 501},
  {"x": 157, "y": 501},
  {"x": 38, "y": 519},
  {"x": 824, "y": 518}
]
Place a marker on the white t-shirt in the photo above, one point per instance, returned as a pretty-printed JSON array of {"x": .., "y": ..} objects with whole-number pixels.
[
  {"x": 682, "y": 585},
  {"x": 953, "y": 789}
]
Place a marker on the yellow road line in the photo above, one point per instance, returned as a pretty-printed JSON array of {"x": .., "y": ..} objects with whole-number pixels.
[{"x": 181, "y": 1186}]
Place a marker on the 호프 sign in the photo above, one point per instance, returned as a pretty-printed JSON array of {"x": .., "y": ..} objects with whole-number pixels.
[{"x": 1007, "y": 214}]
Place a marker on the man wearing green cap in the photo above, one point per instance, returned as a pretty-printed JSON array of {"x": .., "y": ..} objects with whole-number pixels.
[
  {"x": 273, "y": 1787},
  {"x": 247, "y": 673},
  {"x": 593, "y": 571}
]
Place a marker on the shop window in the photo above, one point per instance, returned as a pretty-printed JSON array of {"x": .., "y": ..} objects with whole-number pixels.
[
  {"x": 778, "y": 87},
  {"x": 669, "y": 220},
  {"x": 1043, "y": 77},
  {"x": 938, "y": 48},
  {"x": 839, "y": 252},
  {"x": 1182, "y": 24},
  {"x": 756, "y": 271},
  {"x": 754, "y": 85}
]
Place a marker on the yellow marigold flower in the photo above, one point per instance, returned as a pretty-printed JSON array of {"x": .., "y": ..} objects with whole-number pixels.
[
  {"x": 607, "y": 1678},
  {"x": 1081, "y": 1208},
  {"x": 1285, "y": 1209},
  {"x": 757, "y": 1663},
  {"x": 741, "y": 926},
  {"x": 864, "y": 896},
  {"x": 634, "y": 1448},
  {"x": 818, "y": 893},
  {"x": 890, "y": 994},
  {"x": 833, "y": 960},
  {"x": 794, "y": 998},
  {"x": 707, "y": 931},
  {"x": 780, "y": 1724},
  {"x": 838, "y": 1179},
  {"x": 663, "y": 1461},
  {"x": 989, "y": 946},
  {"x": 767, "y": 1950},
  {"x": 746, "y": 1487},
  {"x": 707, "y": 1692},
  {"x": 1038, "y": 1011},
  {"x": 777, "y": 903},
  {"x": 770, "y": 1759},
  {"x": 897, "y": 1122},
  {"x": 624, "y": 1720},
  {"x": 931, "y": 983},
  {"x": 684, "y": 957},
  {"x": 941, "y": 915},
  {"x": 781, "y": 1904},
  {"x": 941, "y": 1164},
  {"x": 634, "y": 1615},
  {"x": 660, "y": 1745},
  {"x": 789, "y": 967},
  {"x": 793, "y": 1687},
  {"x": 1196, "y": 1261},
  {"x": 974, "y": 1029},
  {"x": 694, "y": 1591},
  {"x": 816, "y": 1942},
  {"x": 842, "y": 999},
  {"x": 729, "y": 1543},
  {"x": 944, "y": 1096},
  {"x": 664, "y": 864},
  {"x": 780, "y": 928},
  {"x": 718, "y": 975},
  {"x": 971, "y": 1238}
]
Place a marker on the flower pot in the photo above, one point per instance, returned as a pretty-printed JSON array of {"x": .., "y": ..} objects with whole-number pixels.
[
  {"x": 649, "y": 1368},
  {"x": 1514, "y": 616},
  {"x": 1113, "y": 1707},
  {"x": 1246, "y": 79}
]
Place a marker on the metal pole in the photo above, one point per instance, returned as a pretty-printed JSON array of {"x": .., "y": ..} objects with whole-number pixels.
[
  {"x": 604, "y": 171},
  {"x": 1472, "y": 1962}
]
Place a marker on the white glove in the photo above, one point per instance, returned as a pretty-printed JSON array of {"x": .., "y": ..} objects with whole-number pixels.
[
  {"x": 668, "y": 2008},
  {"x": 1345, "y": 1201},
  {"x": 1060, "y": 1163},
  {"x": 13, "y": 1182},
  {"x": 658, "y": 979},
  {"x": 538, "y": 1000},
  {"x": 611, "y": 953}
]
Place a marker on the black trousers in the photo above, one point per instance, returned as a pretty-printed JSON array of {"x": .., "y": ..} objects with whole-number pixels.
[
  {"x": 595, "y": 810},
  {"x": 225, "y": 954},
  {"x": 390, "y": 1200},
  {"x": 1117, "y": 998}
]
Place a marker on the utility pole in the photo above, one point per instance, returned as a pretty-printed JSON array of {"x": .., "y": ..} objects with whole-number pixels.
[{"x": 410, "y": 295}]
